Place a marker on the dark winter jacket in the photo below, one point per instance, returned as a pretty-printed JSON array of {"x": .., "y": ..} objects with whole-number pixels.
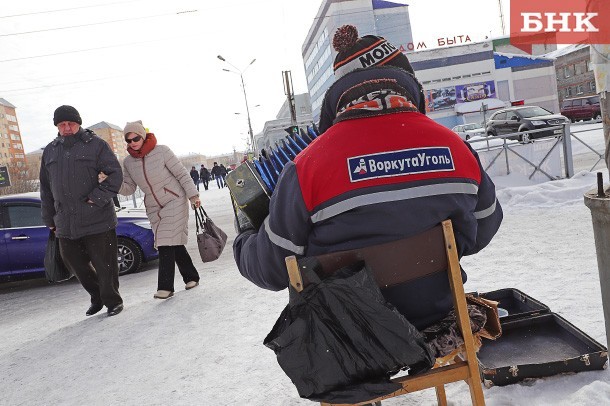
[
  {"x": 69, "y": 178},
  {"x": 195, "y": 176},
  {"x": 204, "y": 174},
  {"x": 216, "y": 171},
  {"x": 369, "y": 181}
]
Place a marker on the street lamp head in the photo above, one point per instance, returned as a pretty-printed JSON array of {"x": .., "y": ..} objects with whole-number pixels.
[
  {"x": 221, "y": 58},
  {"x": 253, "y": 60}
]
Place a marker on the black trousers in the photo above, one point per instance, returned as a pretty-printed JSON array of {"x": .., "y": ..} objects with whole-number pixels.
[
  {"x": 205, "y": 183},
  {"x": 93, "y": 260},
  {"x": 169, "y": 257}
]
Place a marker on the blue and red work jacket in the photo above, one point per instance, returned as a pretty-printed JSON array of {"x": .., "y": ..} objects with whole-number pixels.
[{"x": 369, "y": 181}]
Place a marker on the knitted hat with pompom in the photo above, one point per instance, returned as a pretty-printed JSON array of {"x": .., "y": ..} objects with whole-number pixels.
[{"x": 355, "y": 53}]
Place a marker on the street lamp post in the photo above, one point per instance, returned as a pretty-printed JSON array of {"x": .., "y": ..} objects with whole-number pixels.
[{"x": 243, "y": 86}]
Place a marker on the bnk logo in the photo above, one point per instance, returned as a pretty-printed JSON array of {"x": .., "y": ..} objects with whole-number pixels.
[{"x": 559, "y": 22}]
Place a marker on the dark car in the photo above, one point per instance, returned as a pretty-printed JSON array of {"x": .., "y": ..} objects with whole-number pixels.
[
  {"x": 582, "y": 108},
  {"x": 24, "y": 238},
  {"x": 524, "y": 118}
]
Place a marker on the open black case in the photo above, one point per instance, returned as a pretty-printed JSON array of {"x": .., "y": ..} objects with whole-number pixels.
[{"x": 535, "y": 343}]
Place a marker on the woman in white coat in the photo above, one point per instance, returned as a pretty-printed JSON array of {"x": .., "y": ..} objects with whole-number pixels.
[{"x": 168, "y": 188}]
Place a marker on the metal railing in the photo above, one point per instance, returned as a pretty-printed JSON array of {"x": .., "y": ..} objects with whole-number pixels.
[{"x": 499, "y": 149}]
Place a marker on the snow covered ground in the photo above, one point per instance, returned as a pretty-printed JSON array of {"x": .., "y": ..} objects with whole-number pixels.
[{"x": 204, "y": 346}]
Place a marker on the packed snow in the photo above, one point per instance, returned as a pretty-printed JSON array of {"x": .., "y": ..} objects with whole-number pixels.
[{"x": 204, "y": 346}]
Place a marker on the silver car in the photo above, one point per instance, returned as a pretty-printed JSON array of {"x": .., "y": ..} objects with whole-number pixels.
[{"x": 467, "y": 131}]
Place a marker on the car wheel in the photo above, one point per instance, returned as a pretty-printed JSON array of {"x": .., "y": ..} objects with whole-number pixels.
[
  {"x": 598, "y": 117},
  {"x": 129, "y": 256},
  {"x": 467, "y": 137},
  {"x": 573, "y": 119},
  {"x": 491, "y": 134}
]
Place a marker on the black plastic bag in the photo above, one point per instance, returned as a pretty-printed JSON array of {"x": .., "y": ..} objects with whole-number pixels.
[
  {"x": 339, "y": 341},
  {"x": 54, "y": 267}
]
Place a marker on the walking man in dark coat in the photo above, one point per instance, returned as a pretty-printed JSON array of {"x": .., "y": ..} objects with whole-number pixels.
[
  {"x": 204, "y": 176},
  {"x": 217, "y": 174},
  {"x": 195, "y": 177},
  {"x": 80, "y": 209}
]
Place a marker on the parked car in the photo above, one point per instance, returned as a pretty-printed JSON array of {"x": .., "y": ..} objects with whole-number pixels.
[
  {"x": 524, "y": 118},
  {"x": 582, "y": 108},
  {"x": 466, "y": 131},
  {"x": 24, "y": 238}
]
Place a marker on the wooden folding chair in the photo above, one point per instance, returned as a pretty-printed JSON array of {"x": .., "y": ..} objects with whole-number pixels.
[{"x": 399, "y": 262}]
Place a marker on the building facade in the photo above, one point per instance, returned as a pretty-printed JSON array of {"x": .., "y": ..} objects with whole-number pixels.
[
  {"x": 574, "y": 72},
  {"x": 275, "y": 130},
  {"x": 371, "y": 17},
  {"x": 11, "y": 144},
  {"x": 113, "y": 135},
  {"x": 465, "y": 83}
]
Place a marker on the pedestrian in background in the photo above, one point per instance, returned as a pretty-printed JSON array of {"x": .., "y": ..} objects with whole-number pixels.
[
  {"x": 223, "y": 174},
  {"x": 204, "y": 176},
  {"x": 217, "y": 174},
  {"x": 195, "y": 177},
  {"x": 80, "y": 210},
  {"x": 168, "y": 188}
]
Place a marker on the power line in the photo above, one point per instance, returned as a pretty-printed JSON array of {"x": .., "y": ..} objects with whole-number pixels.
[
  {"x": 100, "y": 23},
  {"x": 86, "y": 50},
  {"x": 67, "y": 9},
  {"x": 76, "y": 82}
]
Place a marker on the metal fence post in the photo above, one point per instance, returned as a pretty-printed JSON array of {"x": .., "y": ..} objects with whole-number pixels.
[
  {"x": 568, "y": 159},
  {"x": 599, "y": 204},
  {"x": 506, "y": 157}
]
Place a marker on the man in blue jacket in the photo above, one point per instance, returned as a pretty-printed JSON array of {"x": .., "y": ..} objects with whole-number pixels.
[
  {"x": 382, "y": 171},
  {"x": 79, "y": 209}
]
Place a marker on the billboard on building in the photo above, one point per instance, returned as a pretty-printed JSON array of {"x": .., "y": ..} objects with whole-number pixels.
[
  {"x": 446, "y": 97},
  {"x": 475, "y": 91},
  {"x": 440, "y": 99}
]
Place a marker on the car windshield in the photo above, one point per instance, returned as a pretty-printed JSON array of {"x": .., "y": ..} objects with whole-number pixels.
[
  {"x": 472, "y": 126},
  {"x": 534, "y": 112}
]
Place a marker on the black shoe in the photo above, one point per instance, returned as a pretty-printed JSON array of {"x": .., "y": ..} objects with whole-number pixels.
[
  {"x": 94, "y": 308},
  {"x": 113, "y": 311}
]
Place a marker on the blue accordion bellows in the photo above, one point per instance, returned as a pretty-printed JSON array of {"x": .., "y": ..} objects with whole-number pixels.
[{"x": 270, "y": 163}]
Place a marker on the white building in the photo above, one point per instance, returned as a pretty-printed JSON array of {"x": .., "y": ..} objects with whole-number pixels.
[
  {"x": 275, "y": 130},
  {"x": 459, "y": 80}
]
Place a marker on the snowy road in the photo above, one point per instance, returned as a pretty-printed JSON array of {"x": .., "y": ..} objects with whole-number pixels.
[{"x": 204, "y": 346}]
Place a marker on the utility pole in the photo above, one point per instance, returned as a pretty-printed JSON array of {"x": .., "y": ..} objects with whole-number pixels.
[
  {"x": 501, "y": 18},
  {"x": 289, "y": 92}
]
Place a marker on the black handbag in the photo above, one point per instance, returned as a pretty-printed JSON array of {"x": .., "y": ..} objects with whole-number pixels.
[
  {"x": 54, "y": 267},
  {"x": 339, "y": 341},
  {"x": 211, "y": 239}
]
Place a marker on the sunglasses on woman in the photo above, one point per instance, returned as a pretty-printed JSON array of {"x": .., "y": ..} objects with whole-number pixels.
[{"x": 134, "y": 139}]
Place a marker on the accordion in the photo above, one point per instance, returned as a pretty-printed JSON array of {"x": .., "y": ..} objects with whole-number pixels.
[{"x": 252, "y": 183}]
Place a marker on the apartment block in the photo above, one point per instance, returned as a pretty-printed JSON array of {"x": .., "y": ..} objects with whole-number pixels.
[
  {"x": 11, "y": 145},
  {"x": 113, "y": 135}
]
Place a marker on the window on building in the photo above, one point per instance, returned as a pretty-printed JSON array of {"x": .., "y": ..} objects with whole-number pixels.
[
  {"x": 568, "y": 92},
  {"x": 17, "y": 146},
  {"x": 567, "y": 72},
  {"x": 580, "y": 68},
  {"x": 579, "y": 89},
  {"x": 592, "y": 87},
  {"x": 589, "y": 66},
  {"x": 15, "y": 137},
  {"x": 12, "y": 118},
  {"x": 13, "y": 128}
]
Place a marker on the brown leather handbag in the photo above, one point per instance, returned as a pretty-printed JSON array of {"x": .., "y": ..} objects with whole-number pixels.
[{"x": 211, "y": 239}]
